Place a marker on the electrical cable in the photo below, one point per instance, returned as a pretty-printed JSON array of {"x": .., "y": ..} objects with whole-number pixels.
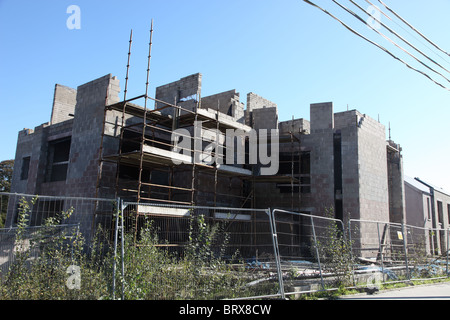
[
  {"x": 407, "y": 31},
  {"x": 376, "y": 44},
  {"x": 399, "y": 36},
  {"x": 409, "y": 25},
  {"x": 390, "y": 40}
]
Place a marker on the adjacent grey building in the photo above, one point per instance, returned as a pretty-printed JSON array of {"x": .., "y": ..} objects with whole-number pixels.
[{"x": 428, "y": 207}]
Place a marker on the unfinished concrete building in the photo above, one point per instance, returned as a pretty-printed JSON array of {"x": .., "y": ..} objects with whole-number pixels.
[{"x": 97, "y": 145}]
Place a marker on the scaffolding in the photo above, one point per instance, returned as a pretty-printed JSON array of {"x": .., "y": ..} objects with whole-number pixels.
[
  {"x": 148, "y": 164},
  {"x": 145, "y": 143}
]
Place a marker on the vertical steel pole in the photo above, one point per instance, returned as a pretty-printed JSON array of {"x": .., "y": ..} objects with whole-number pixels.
[
  {"x": 448, "y": 242},
  {"x": 116, "y": 234},
  {"x": 122, "y": 233},
  {"x": 380, "y": 246},
  {"x": 123, "y": 114},
  {"x": 406, "y": 253},
  {"x": 351, "y": 249},
  {"x": 317, "y": 252},
  {"x": 276, "y": 250}
]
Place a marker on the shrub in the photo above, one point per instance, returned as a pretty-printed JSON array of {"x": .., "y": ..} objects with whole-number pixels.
[
  {"x": 200, "y": 272},
  {"x": 335, "y": 252},
  {"x": 43, "y": 256}
]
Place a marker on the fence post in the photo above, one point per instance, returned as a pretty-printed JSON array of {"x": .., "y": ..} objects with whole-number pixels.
[
  {"x": 448, "y": 249},
  {"x": 276, "y": 251},
  {"x": 116, "y": 235},
  {"x": 122, "y": 241},
  {"x": 406, "y": 253},
  {"x": 380, "y": 248},
  {"x": 349, "y": 227},
  {"x": 317, "y": 253}
]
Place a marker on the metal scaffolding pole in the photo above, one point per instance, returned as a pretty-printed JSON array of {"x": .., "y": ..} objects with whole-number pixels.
[
  {"x": 141, "y": 159},
  {"x": 123, "y": 113}
]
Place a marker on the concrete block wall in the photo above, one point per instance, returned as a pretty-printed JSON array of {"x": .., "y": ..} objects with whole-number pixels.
[
  {"x": 396, "y": 186},
  {"x": 34, "y": 144},
  {"x": 254, "y": 102},
  {"x": 54, "y": 132},
  {"x": 321, "y": 117},
  {"x": 373, "y": 173},
  {"x": 267, "y": 195},
  {"x": 346, "y": 119},
  {"x": 25, "y": 142},
  {"x": 265, "y": 118},
  {"x": 185, "y": 92},
  {"x": 320, "y": 141},
  {"x": 297, "y": 125},
  {"x": 86, "y": 134},
  {"x": 29, "y": 144},
  {"x": 64, "y": 101},
  {"x": 350, "y": 164},
  {"x": 227, "y": 102},
  {"x": 205, "y": 186},
  {"x": 364, "y": 172},
  {"x": 364, "y": 166}
]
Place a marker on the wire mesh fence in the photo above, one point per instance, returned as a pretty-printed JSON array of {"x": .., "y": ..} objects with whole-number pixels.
[
  {"x": 398, "y": 252},
  {"x": 51, "y": 243},
  {"x": 86, "y": 248},
  {"x": 29, "y": 243},
  {"x": 194, "y": 252},
  {"x": 427, "y": 252},
  {"x": 89, "y": 213},
  {"x": 313, "y": 252},
  {"x": 378, "y": 248}
]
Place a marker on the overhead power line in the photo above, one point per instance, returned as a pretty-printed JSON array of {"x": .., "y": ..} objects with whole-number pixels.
[
  {"x": 398, "y": 36},
  {"x": 391, "y": 41},
  {"x": 375, "y": 44},
  {"x": 407, "y": 31},
  {"x": 417, "y": 31}
]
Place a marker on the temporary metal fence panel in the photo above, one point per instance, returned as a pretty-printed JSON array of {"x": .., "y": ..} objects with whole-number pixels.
[
  {"x": 190, "y": 252},
  {"x": 379, "y": 251},
  {"x": 196, "y": 252},
  {"x": 30, "y": 243},
  {"x": 391, "y": 252},
  {"x": 312, "y": 252},
  {"x": 44, "y": 231},
  {"x": 427, "y": 252},
  {"x": 89, "y": 213}
]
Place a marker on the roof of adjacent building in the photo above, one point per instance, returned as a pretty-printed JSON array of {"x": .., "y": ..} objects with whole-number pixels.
[{"x": 423, "y": 186}]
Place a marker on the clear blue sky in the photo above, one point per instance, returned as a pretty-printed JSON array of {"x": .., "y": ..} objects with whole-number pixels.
[{"x": 285, "y": 51}]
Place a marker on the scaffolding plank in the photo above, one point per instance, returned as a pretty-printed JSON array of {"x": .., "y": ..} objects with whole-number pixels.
[{"x": 166, "y": 211}]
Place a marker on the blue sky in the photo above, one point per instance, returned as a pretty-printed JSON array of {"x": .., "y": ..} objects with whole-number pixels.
[{"x": 286, "y": 51}]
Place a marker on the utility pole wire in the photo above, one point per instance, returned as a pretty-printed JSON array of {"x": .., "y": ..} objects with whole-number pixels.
[
  {"x": 411, "y": 34},
  {"x": 376, "y": 44},
  {"x": 399, "y": 36},
  {"x": 409, "y": 25},
  {"x": 388, "y": 39}
]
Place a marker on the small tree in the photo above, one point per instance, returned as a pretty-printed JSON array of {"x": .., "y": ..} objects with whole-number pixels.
[{"x": 6, "y": 170}]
